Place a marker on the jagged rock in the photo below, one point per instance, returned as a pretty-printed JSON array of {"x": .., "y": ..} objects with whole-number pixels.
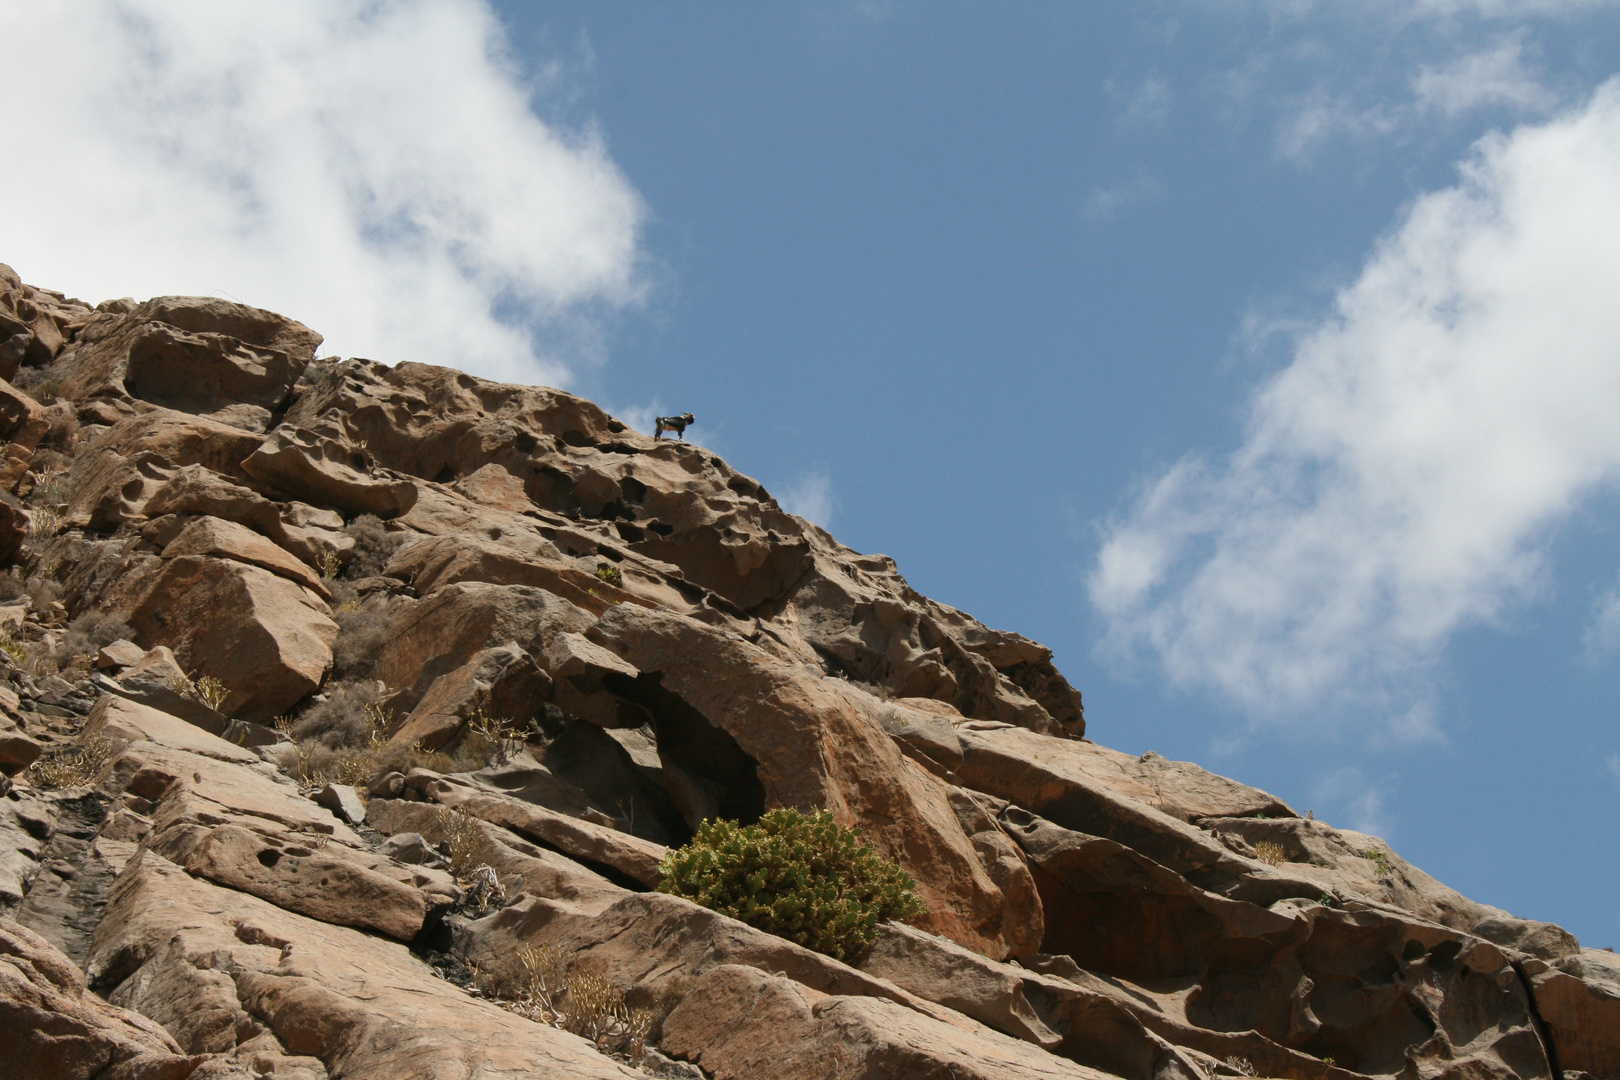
[
  {"x": 523, "y": 867},
  {"x": 591, "y": 843},
  {"x": 322, "y": 470},
  {"x": 578, "y": 667},
  {"x": 23, "y": 422},
  {"x": 758, "y": 732},
  {"x": 227, "y": 972},
  {"x": 1540, "y": 939},
  {"x": 295, "y": 877},
  {"x": 129, "y": 721},
  {"x": 228, "y": 540},
  {"x": 448, "y": 628},
  {"x": 17, "y": 750},
  {"x": 190, "y": 354},
  {"x": 268, "y": 640},
  {"x": 122, "y": 653},
  {"x": 343, "y": 801},
  {"x": 739, "y": 1023},
  {"x": 1579, "y": 1001},
  {"x": 51, "y": 1026},
  {"x": 502, "y": 682},
  {"x": 194, "y": 490}
]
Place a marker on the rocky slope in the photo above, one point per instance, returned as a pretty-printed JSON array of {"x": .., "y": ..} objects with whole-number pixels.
[{"x": 348, "y": 709}]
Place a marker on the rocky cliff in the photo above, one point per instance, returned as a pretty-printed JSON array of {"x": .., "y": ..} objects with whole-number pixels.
[{"x": 347, "y": 711}]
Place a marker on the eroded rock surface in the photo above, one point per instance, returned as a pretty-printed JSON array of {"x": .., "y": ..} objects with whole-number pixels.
[{"x": 350, "y": 710}]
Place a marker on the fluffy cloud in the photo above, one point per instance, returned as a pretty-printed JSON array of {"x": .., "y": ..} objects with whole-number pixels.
[
  {"x": 1397, "y": 479},
  {"x": 374, "y": 169}
]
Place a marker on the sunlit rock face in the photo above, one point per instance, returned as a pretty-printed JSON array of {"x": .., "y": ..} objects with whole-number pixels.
[{"x": 334, "y": 690}]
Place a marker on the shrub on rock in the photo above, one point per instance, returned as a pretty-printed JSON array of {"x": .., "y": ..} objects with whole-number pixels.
[{"x": 802, "y": 877}]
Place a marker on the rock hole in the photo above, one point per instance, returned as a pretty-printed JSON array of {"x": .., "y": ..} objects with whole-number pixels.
[{"x": 269, "y": 857}]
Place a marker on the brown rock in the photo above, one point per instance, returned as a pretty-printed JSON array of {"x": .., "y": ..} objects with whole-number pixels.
[
  {"x": 223, "y": 970},
  {"x": 23, "y": 422},
  {"x": 578, "y": 667},
  {"x": 523, "y": 867},
  {"x": 503, "y": 682},
  {"x": 122, "y": 653},
  {"x": 344, "y": 801},
  {"x": 1579, "y": 1001},
  {"x": 15, "y": 524},
  {"x": 449, "y": 627},
  {"x": 761, "y": 733},
  {"x": 194, "y": 490},
  {"x": 52, "y": 1028},
  {"x": 227, "y": 539},
  {"x": 17, "y": 750},
  {"x": 739, "y": 1023},
  {"x": 323, "y": 470},
  {"x": 268, "y": 640},
  {"x": 300, "y": 878},
  {"x": 129, "y": 721},
  {"x": 635, "y": 858}
]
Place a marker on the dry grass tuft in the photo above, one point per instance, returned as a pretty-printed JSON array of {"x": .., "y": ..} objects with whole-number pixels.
[
  {"x": 74, "y": 768},
  {"x": 1272, "y": 854},
  {"x": 585, "y": 1003}
]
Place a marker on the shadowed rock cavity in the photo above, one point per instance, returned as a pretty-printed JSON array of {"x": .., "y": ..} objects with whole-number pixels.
[{"x": 705, "y": 772}]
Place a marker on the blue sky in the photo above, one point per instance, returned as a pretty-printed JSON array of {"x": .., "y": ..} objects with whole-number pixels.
[{"x": 1256, "y": 357}]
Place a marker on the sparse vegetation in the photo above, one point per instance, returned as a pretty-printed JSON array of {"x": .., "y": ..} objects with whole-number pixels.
[
  {"x": 85, "y": 635},
  {"x": 1270, "y": 853},
  {"x": 1382, "y": 867},
  {"x": 610, "y": 574},
  {"x": 468, "y": 847},
  {"x": 12, "y": 649},
  {"x": 1241, "y": 1066},
  {"x": 374, "y": 545},
  {"x": 72, "y": 768},
  {"x": 585, "y": 1003},
  {"x": 800, "y": 876},
  {"x": 363, "y": 630},
  {"x": 330, "y": 564}
]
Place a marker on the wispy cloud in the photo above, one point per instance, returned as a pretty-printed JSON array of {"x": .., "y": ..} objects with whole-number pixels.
[
  {"x": 1366, "y": 802},
  {"x": 811, "y": 496},
  {"x": 1142, "y": 104},
  {"x": 1602, "y": 636},
  {"x": 374, "y": 169},
  {"x": 1103, "y": 204},
  {"x": 1396, "y": 480},
  {"x": 1614, "y": 765},
  {"x": 1491, "y": 77}
]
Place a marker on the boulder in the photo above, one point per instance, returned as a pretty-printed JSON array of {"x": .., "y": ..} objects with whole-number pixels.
[
  {"x": 595, "y": 845},
  {"x": 268, "y": 640},
  {"x": 17, "y": 750},
  {"x": 129, "y": 721},
  {"x": 577, "y": 667},
  {"x": 312, "y": 881},
  {"x": 122, "y": 653},
  {"x": 738, "y": 1023},
  {"x": 52, "y": 1027},
  {"x": 228, "y": 540},
  {"x": 502, "y": 683},
  {"x": 344, "y": 801},
  {"x": 448, "y": 628},
  {"x": 15, "y": 525},
  {"x": 323, "y": 470},
  {"x": 1579, "y": 1001}
]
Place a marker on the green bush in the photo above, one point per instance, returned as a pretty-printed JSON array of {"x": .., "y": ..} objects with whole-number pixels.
[{"x": 800, "y": 876}]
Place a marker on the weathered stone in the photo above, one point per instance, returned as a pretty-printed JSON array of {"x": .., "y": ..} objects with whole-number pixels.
[
  {"x": 342, "y": 800},
  {"x": 268, "y": 640},
  {"x": 227, "y": 539},
  {"x": 222, "y": 969},
  {"x": 17, "y": 750},
  {"x": 739, "y": 1023},
  {"x": 301, "y": 878},
  {"x": 1579, "y": 1001},
  {"x": 52, "y": 1028},
  {"x": 578, "y": 667},
  {"x": 451, "y": 626},
  {"x": 760, "y": 732},
  {"x": 122, "y": 653},
  {"x": 129, "y": 721},
  {"x": 309, "y": 467},
  {"x": 502, "y": 682}
]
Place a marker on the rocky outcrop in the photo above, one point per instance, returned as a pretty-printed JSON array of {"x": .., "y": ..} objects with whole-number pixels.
[{"x": 347, "y": 712}]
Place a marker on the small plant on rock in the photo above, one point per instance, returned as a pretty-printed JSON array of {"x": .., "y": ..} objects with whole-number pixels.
[
  {"x": 210, "y": 691},
  {"x": 72, "y": 768},
  {"x": 610, "y": 574},
  {"x": 1382, "y": 867},
  {"x": 800, "y": 876},
  {"x": 1271, "y": 853}
]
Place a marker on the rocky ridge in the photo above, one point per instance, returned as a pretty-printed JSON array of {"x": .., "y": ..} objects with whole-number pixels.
[{"x": 346, "y": 711}]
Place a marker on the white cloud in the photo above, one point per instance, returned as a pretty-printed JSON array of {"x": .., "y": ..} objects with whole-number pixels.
[
  {"x": 811, "y": 496},
  {"x": 1366, "y": 802},
  {"x": 1104, "y": 203},
  {"x": 1602, "y": 636},
  {"x": 373, "y": 169},
  {"x": 1146, "y": 104},
  {"x": 1397, "y": 479},
  {"x": 1495, "y": 76}
]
